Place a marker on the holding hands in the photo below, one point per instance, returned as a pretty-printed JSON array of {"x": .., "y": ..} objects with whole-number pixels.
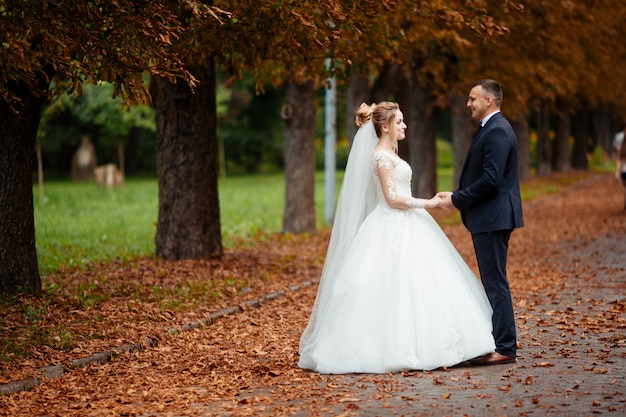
[
  {"x": 442, "y": 199},
  {"x": 445, "y": 200}
]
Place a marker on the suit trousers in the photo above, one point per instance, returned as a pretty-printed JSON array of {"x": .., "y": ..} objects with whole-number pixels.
[{"x": 491, "y": 250}]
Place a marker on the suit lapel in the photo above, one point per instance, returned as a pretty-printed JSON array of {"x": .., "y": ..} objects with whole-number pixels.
[{"x": 476, "y": 138}]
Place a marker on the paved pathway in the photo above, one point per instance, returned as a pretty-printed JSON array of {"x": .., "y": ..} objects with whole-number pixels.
[
  {"x": 569, "y": 365},
  {"x": 562, "y": 369}
]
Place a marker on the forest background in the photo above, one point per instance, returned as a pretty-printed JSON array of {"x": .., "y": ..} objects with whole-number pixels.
[{"x": 560, "y": 64}]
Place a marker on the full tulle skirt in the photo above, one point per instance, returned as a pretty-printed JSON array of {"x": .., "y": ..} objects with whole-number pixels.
[{"x": 404, "y": 300}]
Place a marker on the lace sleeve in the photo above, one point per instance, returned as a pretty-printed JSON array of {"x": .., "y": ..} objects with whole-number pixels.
[{"x": 385, "y": 165}]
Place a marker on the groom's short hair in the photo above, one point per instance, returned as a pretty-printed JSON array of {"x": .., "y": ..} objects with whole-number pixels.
[{"x": 491, "y": 88}]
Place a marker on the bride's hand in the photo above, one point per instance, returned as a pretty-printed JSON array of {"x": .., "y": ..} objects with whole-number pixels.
[{"x": 432, "y": 202}]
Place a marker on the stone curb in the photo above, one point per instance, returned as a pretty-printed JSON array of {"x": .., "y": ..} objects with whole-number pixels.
[{"x": 100, "y": 358}]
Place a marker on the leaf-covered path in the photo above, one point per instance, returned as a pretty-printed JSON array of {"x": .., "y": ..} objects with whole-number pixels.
[{"x": 567, "y": 270}]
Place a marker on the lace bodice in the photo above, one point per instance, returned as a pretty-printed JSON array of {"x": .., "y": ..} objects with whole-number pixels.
[{"x": 399, "y": 184}]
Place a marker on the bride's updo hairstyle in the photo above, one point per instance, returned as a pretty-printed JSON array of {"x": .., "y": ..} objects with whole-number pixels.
[{"x": 382, "y": 113}]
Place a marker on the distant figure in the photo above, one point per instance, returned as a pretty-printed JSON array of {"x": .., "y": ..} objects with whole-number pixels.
[
  {"x": 394, "y": 293},
  {"x": 109, "y": 176},
  {"x": 84, "y": 161},
  {"x": 618, "y": 139}
]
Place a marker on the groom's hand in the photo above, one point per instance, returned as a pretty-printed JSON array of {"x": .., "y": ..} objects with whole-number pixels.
[{"x": 445, "y": 200}]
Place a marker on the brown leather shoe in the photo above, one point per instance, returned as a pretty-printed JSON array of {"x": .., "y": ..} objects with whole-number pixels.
[{"x": 493, "y": 358}]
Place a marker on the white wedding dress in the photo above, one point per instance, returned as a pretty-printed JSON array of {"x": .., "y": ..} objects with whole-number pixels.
[{"x": 401, "y": 297}]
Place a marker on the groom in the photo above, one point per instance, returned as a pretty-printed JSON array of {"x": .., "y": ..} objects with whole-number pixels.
[{"x": 490, "y": 204}]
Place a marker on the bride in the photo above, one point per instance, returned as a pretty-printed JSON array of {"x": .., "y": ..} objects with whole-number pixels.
[{"x": 394, "y": 293}]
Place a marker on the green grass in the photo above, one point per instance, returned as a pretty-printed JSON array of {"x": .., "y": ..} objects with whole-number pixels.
[{"x": 78, "y": 223}]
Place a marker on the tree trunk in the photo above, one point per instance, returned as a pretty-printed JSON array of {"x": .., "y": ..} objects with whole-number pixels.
[
  {"x": 602, "y": 129},
  {"x": 522, "y": 131},
  {"x": 561, "y": 157},
  {"x": 120, "y": 157},
  {"x": 385, "y": 82},
  {"x": 299, "y": 116},
  {"x": 19, "y": 271},
  {"x": 131, "y": 167},
  {"x": 189, "y": 217},
  {"x": 544, "y": 148},
  {"x": 422, "y": 142},
  {"x": 358, "y": 92},
  {"x": 461, "y": 134},
  {"x": 580, "y": 132},
  {"x": 401, "y": 94}
]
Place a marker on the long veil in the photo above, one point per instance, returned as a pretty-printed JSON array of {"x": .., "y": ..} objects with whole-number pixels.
[{"x": 357, "y": 199}]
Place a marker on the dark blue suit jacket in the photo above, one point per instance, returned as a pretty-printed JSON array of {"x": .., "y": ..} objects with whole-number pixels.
[{"x": 489, "y": 194}]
